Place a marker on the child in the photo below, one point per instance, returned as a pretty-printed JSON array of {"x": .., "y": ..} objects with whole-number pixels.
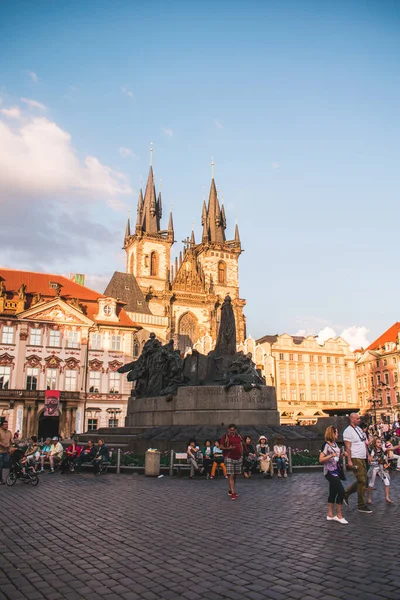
[{"x": 379, "y": 466}]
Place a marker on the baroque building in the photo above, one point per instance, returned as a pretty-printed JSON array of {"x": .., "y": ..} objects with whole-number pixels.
[
  {"x": 58, "y": 335},
  {"x": 377, "y": 372},
  {"x": 179, "y": 301}
]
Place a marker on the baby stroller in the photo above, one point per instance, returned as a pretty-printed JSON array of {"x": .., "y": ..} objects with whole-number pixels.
[{"x": 16, "y": 470}]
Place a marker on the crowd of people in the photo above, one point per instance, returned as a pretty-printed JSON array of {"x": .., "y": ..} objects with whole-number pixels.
[
  {"x": 235, "y": 455},
  {"x": 370, "y": 451},
  {"x": 36, "y": 456}
]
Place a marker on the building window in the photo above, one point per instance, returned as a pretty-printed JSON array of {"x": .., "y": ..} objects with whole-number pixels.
[
  {"x": 301, "y": 374},
  {"x": 359, "y": 382},
  {"x": 55, "y": 338},
  {"x": 340, "y": 396},
  {"x": 332, "y": 395},
  {"x": 377, "y": 363},
  {"x": 322, "y": 395},
  {"x": 394, "y": 360},
  {"x": 378, "y": 379},
  {"x": 395, "y": 376},
  {"x": 282, "y": 374},
  {"x": 330, "y": 376},
  {"x": 115, "y": 380},
  {"x": 153, "y": 264},
  {"x": 311, "y": 358},
  {"x": 328, "y": 359},
  {"x": 5, "y": 375},
  {"x": 291, "y": 357},
  {"x": 314, "y": 395},
  {"x": 386, "y": 375},
  {"x": 222, "y": 272},
  {"x": 283, "y": 394},
  {"x": 313, "y": 375},
  {"x": 71, "y": 380},
  {"x": 293, "y": 394},
  {"x": 292, "y": 373},
  {"x": 337, "y": 360},
  {"x": 339, "y": 376},
  {"x": 94, "y": 381},
  {"x": 73, "y": 339},
  {"x": 113, "y": 422},
  {"x": 115, "y": 342},
  {"x": 32, "y": 376},
  {"x": 388, "y": 400},
  {"x": 347, "y": 379},
  {"x": 302, "y": 396},
  {"x": 51, "y": 379},
  {"x": 35, "y": 337},
  {"x": 319, "y": 358},
  {"x": 385, "y": 362},
  {"x": 92, "y": 424},
  {"x": 300, "y": 358},
  {"x": 321, "y": 376},
  {"x": 95, "y": 341},
  {"x": 281, "y": 356},
  {"x": 7, "y": 335}
]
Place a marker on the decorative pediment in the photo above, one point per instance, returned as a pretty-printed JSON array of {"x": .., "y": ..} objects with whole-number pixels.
[
  {"x": 114, "y": 365},
  {"x": 96, "y": 365},
  {"x": 57, "y": 311},
  {"x": 53, "y": 362},
  {"x": 71, "y": 363},
  {"x": 32, "y": 361},
  {"x": 189, "y": 277},
  {"x": 6, "y": 359}
]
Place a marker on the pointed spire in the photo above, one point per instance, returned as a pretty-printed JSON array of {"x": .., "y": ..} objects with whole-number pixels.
[
  {"x": 180, "y": 258},
  {"x": 151, "y": 221},
  {"x": 171, "y": 223},
  {"x": 159, "y": 206},
  {"x": 139, "y": 217},
  {"x": 176, "y": 265},
  {"x": 192, "y": 239},
  {"x": 216, "y": 231},
  {"x": 223, "y": 217},
  {"x": 172, "y": 273},
  {"x": 128, "y": 226},
  {"x": 237, "y": 236}
]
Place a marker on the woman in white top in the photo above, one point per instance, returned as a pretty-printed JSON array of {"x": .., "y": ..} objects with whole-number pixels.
[{"x": 280, "y": 455}]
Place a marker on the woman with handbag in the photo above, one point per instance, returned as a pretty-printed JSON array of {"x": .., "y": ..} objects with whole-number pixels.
[
  {"x": 263, "y": 457},
  {"x": 329, "y": 457}
]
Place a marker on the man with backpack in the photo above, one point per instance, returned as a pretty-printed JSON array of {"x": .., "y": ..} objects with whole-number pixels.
[{"x": 232, "y": 446}]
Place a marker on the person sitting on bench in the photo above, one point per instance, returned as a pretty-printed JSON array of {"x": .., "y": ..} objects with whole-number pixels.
[
  {"x": 102, "y": 456},
  {"x": 218, "y": 458},
  {"x": 87, "y": 455}
]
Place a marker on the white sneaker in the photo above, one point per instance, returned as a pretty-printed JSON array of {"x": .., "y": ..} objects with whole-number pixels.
[
  {"x": 342, "y": 520},
  {"x": 328, "y": 518}
]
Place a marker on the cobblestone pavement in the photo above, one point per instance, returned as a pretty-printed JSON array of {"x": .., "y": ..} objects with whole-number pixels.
[{"x": 131, "y": 537}]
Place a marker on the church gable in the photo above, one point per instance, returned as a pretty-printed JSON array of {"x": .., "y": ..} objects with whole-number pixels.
[
  {"x": 56, "y": 311},
  {"x": 189, "y": 277}
]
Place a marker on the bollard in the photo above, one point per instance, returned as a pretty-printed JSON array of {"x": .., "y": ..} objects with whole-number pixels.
[
  {"x": 290, "y": 461},
  {"x": 171, "y": 464},
  {"x": 119, "y": 461}
]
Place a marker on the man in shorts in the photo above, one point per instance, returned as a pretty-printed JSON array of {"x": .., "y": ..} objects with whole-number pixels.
[{"x": 232, "y": 446}]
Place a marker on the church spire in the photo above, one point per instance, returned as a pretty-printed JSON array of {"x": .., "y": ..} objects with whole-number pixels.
[
  {"x": 192, "y": 239},
  {"x": 237, "y": 236},
  {"x": 215, "y": 226},
  {"x": 151, "y": 220},
  {"x": 128, "y": 227},
  {"x": 139, "y": 217}
]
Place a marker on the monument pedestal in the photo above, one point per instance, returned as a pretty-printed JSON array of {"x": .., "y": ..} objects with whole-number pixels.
[{"x": 206, "y": 406}]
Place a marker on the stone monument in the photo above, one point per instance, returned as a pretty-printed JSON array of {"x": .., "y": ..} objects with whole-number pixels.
[{"x": 212, "y": 390}]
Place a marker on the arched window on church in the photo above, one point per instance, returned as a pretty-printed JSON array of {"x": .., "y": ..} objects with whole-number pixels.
[
  {"x": 135, "y": 347},
  {"x": 131, "y": 263},
  {"x": 153, "y": 264},
  {"x": 222, "y": 272}
]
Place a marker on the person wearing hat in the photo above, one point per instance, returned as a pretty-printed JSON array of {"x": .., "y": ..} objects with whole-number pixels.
[
  {"x": 55, "y": 454},
  {"x": 263, "y": 456}
]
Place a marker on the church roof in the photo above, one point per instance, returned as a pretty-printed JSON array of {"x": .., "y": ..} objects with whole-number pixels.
[
  {"x": 46, "y": 285},
  {"x": 125, "y": 287}
]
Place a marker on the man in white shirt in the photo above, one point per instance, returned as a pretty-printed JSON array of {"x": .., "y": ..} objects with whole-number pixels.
[
  {"x": 55, "y": 454},
  {"x": 357, "y": 450}
]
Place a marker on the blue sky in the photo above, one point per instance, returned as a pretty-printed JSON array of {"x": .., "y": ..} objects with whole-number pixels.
[{"x": 296, "y": 101}]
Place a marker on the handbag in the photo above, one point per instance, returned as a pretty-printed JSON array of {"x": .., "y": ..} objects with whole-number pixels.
[{"x": 341, "y": 472}]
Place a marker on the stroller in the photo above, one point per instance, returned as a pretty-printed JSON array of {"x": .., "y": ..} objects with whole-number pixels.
[{"x": 16, "y": 470}]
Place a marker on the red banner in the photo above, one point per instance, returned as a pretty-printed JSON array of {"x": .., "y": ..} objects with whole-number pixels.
[{"x": 51, "y": 403}]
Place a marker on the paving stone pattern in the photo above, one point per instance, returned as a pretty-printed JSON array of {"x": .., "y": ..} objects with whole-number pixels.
[{"x": 131, "y": 537}]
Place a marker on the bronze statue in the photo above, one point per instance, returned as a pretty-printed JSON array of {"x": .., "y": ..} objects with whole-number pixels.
[
  {"x": 22, "y": 292},
  {"x": 226, "y": 340}
]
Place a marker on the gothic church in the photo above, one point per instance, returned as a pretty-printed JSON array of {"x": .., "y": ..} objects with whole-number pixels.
[{"x": 179, "y": 301}]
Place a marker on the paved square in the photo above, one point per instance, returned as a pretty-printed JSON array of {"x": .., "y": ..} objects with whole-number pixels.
[{"x": 131, "y": 537}]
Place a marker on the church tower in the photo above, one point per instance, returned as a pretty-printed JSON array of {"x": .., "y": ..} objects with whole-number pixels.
[{"x": 148, "y": 247}]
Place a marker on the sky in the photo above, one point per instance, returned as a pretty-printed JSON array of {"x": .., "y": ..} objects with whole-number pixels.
[{"x": 297, "y": 102}]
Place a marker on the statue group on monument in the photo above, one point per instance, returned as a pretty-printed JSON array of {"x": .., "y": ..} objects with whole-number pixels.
[{"x": 160, "y": 369}]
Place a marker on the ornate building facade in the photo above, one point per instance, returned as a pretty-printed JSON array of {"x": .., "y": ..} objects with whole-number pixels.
[
  {"x": 181, "y": 301},
  {"x": 58, "y": 335},
  {"x": 377, "y": 371}
]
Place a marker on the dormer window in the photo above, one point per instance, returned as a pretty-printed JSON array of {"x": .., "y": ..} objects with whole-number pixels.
[{"x": 107, "y": 310}]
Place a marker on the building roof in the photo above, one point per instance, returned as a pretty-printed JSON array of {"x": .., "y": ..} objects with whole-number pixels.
[
  {"x": 124, "y": 286},
  {"x": 390, "y": 335},
  {"x": 46, "y": 285},
  {"x": 271, "y": 339}
]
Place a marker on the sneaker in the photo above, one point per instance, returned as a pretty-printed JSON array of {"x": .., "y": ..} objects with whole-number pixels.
[
  {"x": 328, "y": 518},
  {"x": 41, "y": 471},
  {"x": 366, "y": 509},
  {"x": 285, "y": 475},
  {"x": 229, "y": 493},
  {"x": 346, "y": 499},
  {"x": 234, "y": 496},
  {"x": 342, "y": 520}
]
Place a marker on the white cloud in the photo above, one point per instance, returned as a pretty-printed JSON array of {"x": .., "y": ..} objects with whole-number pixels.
[
  {"x": 37, "y": 159},
  {"x": 11, "y": 113},
  {"x": 33, "y": 103},
  {"x": 356, "y": 336},
  {"x": 127, "y": 92},
  {"x": 218, "y": 124},
  {"x": 325, "y": 334},
  {"x": 97, "y": 282},
  {"x": 276, "y": 165},
  {"x": 167, "y": 131},
  {"x": 125, "y": 152},
  {"x": 33, "y": 76}
]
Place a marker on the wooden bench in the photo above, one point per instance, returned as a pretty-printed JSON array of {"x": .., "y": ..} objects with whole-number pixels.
[{"x": 178, "y": 461}]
